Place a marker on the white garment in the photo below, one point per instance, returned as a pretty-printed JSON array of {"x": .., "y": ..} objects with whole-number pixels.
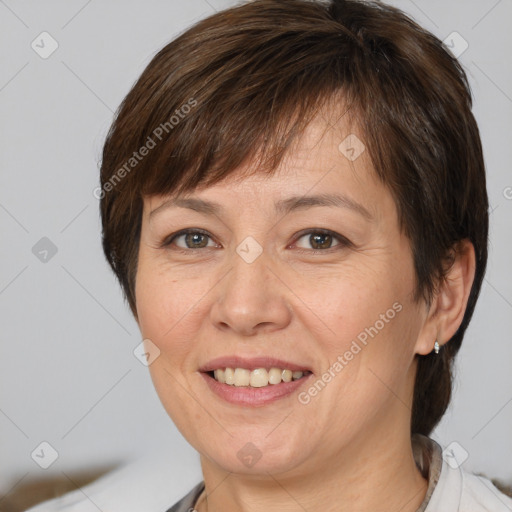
[{"x": 144, "y": 486}]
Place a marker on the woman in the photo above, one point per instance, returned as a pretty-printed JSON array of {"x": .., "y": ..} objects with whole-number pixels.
[{"x": 293, "y": 200}]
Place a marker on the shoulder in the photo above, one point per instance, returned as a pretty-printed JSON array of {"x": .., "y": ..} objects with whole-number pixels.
[
  {"x": 145, "y": 484},
  {"x": 458, "y": 490},
  {"x": 479, "y": 494}
]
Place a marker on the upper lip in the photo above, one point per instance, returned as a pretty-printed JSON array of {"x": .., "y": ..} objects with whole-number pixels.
[{"x": 251, "y": 363}]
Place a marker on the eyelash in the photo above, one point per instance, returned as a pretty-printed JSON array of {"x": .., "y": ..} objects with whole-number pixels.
[{"x": 342, "y": 241}]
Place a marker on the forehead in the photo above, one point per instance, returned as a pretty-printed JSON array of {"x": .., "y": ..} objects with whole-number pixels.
[{"x": 330, "y": 157}]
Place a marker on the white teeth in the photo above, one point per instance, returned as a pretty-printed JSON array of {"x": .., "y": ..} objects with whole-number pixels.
[
  {"x": 242, "y": 377},
  {"x": 257, "y": 378},
  {"x": 219, "y": 375},
  {"x": 274, "y": 376},
  {"x": 229, "y": 376},
  {"x": 287, "y": 375}
]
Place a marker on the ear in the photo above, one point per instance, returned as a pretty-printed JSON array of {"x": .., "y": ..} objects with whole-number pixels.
[{"x": 450, "y": 300}]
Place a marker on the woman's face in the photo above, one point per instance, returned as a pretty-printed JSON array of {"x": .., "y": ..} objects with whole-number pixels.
[{"x": 305, "y": 270}]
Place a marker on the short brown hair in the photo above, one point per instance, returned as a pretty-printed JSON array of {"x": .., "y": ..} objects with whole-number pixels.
[{"x": 242, "y": 85}]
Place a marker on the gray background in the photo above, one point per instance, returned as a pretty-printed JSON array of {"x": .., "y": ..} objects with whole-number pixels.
[{"x": 68, "y": 374}]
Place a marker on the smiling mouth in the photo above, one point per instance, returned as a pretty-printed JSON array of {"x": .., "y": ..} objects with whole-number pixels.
[{"x": 257, "y": 378}]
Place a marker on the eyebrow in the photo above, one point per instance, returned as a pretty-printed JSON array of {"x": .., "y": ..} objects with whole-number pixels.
[{"x": 283, "y": 206}]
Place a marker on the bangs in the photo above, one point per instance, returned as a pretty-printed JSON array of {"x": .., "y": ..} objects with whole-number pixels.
[
  {"x": 258, "y": 92},
  {"x": 212, "y": 144}
]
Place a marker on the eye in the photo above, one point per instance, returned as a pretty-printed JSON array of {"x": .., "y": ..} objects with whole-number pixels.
[
  {"x": 192, "y": 239},
  {"x": 315, "y": 240},
  {"x": 321, "y": 240}
]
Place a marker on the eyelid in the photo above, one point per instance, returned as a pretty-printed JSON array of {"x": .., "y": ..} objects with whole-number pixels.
[
  {"x": 167, "y": 241},
  {"x": 342, "y": 241}
]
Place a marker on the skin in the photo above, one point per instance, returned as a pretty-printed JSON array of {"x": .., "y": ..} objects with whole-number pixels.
[{"x": 349, "y": 448}]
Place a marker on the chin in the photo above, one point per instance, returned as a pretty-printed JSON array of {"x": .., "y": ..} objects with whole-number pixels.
[{"x": 238, "y": 454}]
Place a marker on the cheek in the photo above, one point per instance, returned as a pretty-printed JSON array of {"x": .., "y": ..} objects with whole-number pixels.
[
  {"x": 344, "y": 303},
  {"x": 370, "y": 321},
  {"x": 169, "y": 308},
  {"x": 378, "y": 356}
]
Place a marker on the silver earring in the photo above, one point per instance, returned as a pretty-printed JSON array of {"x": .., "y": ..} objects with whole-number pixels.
[{"x": 436, "y": 347}]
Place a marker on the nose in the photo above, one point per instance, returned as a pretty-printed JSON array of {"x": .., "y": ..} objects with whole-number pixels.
[{"x": 251, "y": 298}]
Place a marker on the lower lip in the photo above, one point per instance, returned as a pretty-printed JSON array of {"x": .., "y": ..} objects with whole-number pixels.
[{"x": 249, "y": 396}]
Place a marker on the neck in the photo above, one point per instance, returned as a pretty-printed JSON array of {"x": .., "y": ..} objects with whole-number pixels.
[{"x": 367, "y": 473}]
